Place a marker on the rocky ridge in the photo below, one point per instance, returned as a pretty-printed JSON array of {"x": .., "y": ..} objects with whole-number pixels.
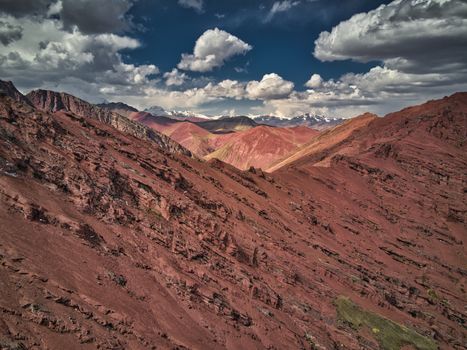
[{"x": 52, "y": 101}]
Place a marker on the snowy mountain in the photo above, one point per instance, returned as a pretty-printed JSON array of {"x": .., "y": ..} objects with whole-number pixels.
[
  {"x": 310, "y": 120},
  {"x": 178, "y": 115}
]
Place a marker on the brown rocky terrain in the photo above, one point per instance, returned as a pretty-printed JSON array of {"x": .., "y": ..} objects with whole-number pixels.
[
  {"x": 51, "y": 101},
  {"x": 110, "y": 241}
]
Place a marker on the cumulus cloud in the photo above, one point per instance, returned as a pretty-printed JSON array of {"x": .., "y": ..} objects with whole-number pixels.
[
  {"x": 175, "y": 78},
  {"x": 315, "y": 81},
  {"x": 403, "y": 34},
  {"x": 48, "y": 54},
  {"x": 271, "y": 86},
  {"x": 280, "y": 6},
  {"x": 379, "y": 90},
  {"x": 194, "y": 4},
  {"x": 227, "y": 89},
  {"x": 10, "y": 32},
  {"x": 212, "y": 49}
]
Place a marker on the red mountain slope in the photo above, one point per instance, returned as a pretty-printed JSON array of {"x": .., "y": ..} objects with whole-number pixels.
[
  {"x": 188, "y": 134},
  {"x": 260, "y": 146},
  {"x": 192, "y": 137},
  {"x": 107, "y": 241},
  {"x": 327, "y": 140}
]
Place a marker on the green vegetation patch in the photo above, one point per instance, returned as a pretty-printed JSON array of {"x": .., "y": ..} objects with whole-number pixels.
[{"x": 390, "y": 335}]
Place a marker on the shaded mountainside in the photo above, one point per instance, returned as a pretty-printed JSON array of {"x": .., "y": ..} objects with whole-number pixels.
[
  {"x": 159, "y": 123},
  {"x": 260, "y": 146},
  {"x": 7, "y": 88},
  {"x": 118, "y": 107},
  {"x": 109, "y": 242},
  {"x": 228, "y": 124},
  {"x": 52, "y": 101}
]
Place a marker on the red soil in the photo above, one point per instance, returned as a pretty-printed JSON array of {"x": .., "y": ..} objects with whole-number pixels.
[
  {"x": 192, "y": 137},
  {"x": 108, "y": 241},
  {"x": 260, "y": 146}
]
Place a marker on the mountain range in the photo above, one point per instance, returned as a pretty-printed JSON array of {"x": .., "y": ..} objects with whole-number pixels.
[
  {"x": 115, "y": 236},
  {"x": 313, "y": 121},
  {"x": 223, "y": 137}
]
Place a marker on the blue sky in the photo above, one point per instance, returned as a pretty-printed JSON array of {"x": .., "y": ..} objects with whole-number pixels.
[
  {"x": 283, "y": 45},
  {"x": 337, "y": 58}
]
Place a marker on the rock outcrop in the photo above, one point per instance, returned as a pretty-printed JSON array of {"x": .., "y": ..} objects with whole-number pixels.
[
  {"x": 52, "y": 101},
  {"x": 7, "y": 88}
]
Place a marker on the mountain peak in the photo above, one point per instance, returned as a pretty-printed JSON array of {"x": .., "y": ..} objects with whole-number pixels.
[{"x": 7, "y": 88}]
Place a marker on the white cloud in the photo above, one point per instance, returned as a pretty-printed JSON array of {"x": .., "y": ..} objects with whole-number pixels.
[
  {"x": 379, "y": 90},
  {"x": 212, "y": 49},
  {"x": 271, "y": 86},
  {"x": 227, "y": 89},
  {"x": 47, "y": 54},
  {"x": 404, "y": 34},
  {"x": 175, "y": 78},
  {"x": 280, "y": 6},
  {"x": 315, "y": 81},
  {"x": 194, "y": 4}
]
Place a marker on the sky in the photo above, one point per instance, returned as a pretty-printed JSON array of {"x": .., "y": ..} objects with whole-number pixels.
[{"x": 337, "y": 58}]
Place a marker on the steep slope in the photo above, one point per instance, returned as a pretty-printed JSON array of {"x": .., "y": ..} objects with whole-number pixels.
[
  {"x": 118, "y": 107},
  {"x": 260, "y": 146},
  {"x": 7, "y": 88},
  {"x": 228, "y": 124},
  {"x": 198, "y": 140},
  {"x": 328, "y": 140},
  {"x": 52, "y": 101},
  {"x": 395, "y": 198},
  {"x": 109, "y": 242}
]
